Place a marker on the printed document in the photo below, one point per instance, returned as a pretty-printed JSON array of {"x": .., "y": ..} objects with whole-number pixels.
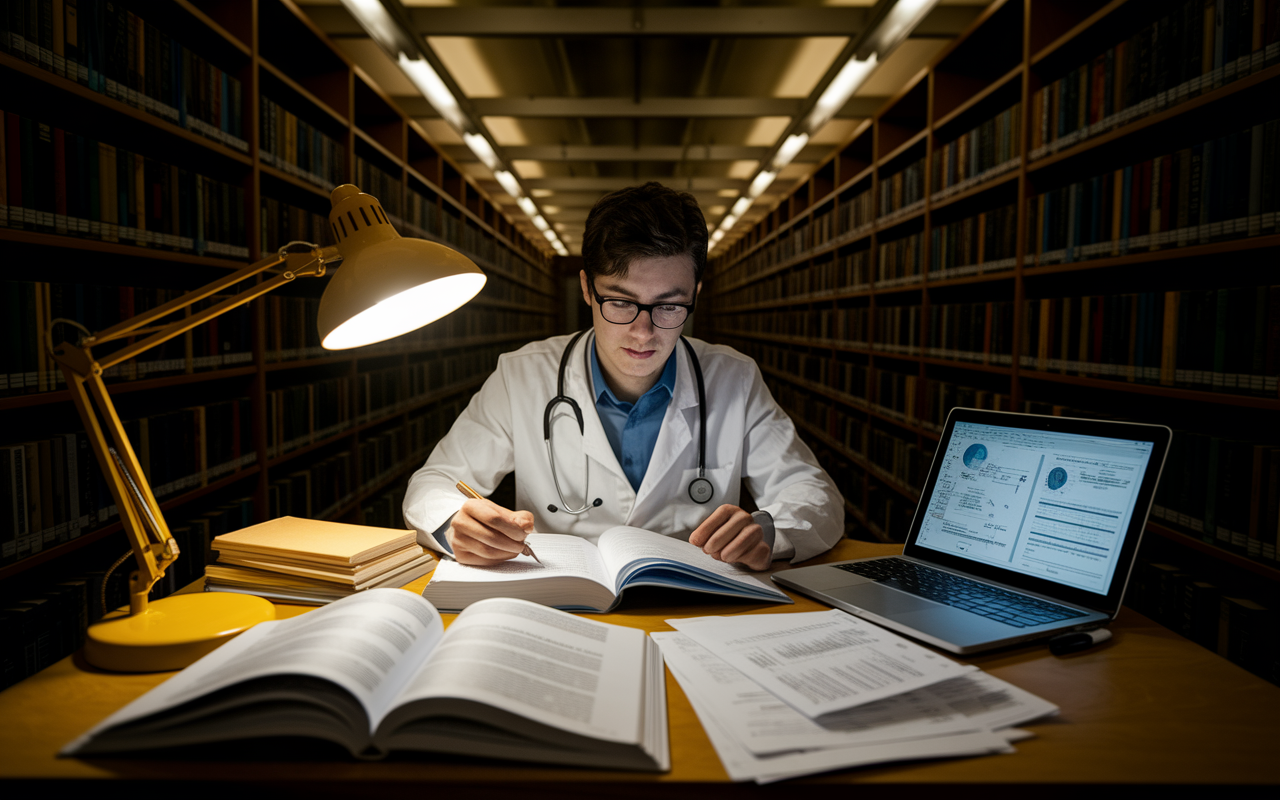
[{"x": 823, "y": 661}]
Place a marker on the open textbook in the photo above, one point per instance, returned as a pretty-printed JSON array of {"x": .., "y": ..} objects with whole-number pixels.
[
  {"x": 578, "y": 576},
  {"x": 376, "y": 672}
]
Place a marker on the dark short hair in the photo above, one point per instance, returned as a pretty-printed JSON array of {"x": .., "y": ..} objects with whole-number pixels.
[{"x": 649, "y": 221}]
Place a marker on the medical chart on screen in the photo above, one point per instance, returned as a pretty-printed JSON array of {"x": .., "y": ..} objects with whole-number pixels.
[{"x": 1051, "y": 505}]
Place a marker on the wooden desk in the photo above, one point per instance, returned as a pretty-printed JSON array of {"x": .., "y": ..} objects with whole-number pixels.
[{"x": 1149, "y": 707}]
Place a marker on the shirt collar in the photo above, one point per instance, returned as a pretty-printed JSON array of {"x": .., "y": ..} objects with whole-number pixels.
[{"x": 666, "y": 382}]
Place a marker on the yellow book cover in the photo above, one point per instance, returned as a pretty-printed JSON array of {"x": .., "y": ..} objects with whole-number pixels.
[{"x": 316, "y": 540}]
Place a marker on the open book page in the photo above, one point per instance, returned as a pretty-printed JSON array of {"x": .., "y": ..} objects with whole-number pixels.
[
  {"x": 367, "y": 644},
  {"x": 563, "y": 556},
  {"x": 822, "y": 661},
  {"x": 580, "y": 676},
  {"x": 625, "y": 549}
]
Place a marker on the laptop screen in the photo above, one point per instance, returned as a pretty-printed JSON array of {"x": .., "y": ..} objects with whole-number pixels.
[{"x": 1048, "y": 504}]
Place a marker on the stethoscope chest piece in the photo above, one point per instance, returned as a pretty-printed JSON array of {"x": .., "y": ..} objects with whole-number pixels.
[{"x": 700, "y": 490}]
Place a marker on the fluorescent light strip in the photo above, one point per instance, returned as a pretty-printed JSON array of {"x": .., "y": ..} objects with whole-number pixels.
[
  {"x": 760, "y": 183},
  {"x": 790, "y": 149},
  {"x": 483, "y": 150},
  {"x": 373, "y": 17},
  {"x": 432, "y": 88},
  {"x": 851, "y": 76},
  {"x": 511, "y": 185}
]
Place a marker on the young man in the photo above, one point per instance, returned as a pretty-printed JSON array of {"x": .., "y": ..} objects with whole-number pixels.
[{"x": 627, "y": 408}]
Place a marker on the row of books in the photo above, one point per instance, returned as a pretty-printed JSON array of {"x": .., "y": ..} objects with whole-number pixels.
[
  {"x": 975, "y": 245},
  {"x": 855, "y": 214},
  {"x": 978, "y": 332},
  {"x": 1225, "y": 340},
  {"x": 1223, "y": 491},
  {"x": 292, "y": 145},
  {"x": 106, "y": 47},
  {"x": 305, "y": 414},
  {"x": 852, "y": 217},
  {"x": 1225, "y": 188},
  {"x": 893, "y": 394},
  {"x": 981, "y": 332},
  {"x": 902, "y": 192},
  {"x": 990, "y": 149},
  {"x": 31, "y": 309},
  {"x": 502, "y": 290},
  {"x": 314, "y": 492},
  {"x": 385, "y": 510},
  {"x": 890, "y": 458},
  {"x": 281, "y": 223},
  {"x": 899, "y": 261},
  {"x": 826, "y": 324},
  {"x": 55, "y": 181},
  {"x": 1194, "y": 47},
  {"x": 389, "y": 190},
  {"x": 51, "y": 490},
  {"x": 1210, "y": 610},
  {"x": 837, "y": 273},
  {"x": 926, "y": 402},
  {"x": 427, "y": 218},
  {"x": 385, "y": 454},
  {"x": 41, "y": 624}
]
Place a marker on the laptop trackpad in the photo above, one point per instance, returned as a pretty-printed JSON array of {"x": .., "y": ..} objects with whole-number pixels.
[{"x": 880, "y": 600}]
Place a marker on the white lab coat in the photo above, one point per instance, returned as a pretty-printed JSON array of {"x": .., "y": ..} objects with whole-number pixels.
[{"x": 748, "y": 437}]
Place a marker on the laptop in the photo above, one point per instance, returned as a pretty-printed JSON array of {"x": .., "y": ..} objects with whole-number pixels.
[{"x": 1027, "y": 527}]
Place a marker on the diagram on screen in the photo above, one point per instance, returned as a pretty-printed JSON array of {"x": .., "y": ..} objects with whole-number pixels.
[{"x": 981, "y": 498}]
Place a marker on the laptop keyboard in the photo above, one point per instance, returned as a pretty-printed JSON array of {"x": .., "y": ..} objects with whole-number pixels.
[{"x": 1010, "y": 608}]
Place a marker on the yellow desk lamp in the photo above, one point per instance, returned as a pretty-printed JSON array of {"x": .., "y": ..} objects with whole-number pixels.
[{"x": 387, "y": 286}]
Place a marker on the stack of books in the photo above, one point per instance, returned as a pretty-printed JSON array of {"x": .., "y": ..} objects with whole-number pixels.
[{"x": 308, "y": 561}]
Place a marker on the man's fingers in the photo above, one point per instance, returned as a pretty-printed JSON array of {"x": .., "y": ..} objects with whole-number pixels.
[
  {"x": 745, "y": 542},
  {"x": 711, "y": 524},
  {"x": 514, "y": 525}
]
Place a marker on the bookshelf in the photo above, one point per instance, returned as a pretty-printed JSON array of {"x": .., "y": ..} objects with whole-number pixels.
[
  {"x": 162, "y": 145},
  {"x": 1072, "y": 210}
]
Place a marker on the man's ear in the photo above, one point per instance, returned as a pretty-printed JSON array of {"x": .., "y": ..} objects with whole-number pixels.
[{"x": 586, "y": 290}]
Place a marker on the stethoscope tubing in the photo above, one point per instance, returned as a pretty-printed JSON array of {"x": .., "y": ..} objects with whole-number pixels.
[{"x": 700, "y": 489}]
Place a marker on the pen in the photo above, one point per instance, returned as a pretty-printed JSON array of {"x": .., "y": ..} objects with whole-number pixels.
[{"x": 474, "y": 495}]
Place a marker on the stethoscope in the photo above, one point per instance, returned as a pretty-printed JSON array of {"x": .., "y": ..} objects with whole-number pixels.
[{"x": 700, "y": 489}]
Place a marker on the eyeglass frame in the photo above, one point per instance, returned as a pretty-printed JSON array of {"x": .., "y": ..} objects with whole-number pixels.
[{"x": 649, "y": 307}]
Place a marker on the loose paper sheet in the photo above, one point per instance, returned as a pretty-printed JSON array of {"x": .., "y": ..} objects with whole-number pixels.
[
  {"x": 698, "y": 673},
  {"x": 820, "y": 662}
]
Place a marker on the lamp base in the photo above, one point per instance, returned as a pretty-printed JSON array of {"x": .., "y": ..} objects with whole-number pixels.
[{"x": 172, "y": 632}]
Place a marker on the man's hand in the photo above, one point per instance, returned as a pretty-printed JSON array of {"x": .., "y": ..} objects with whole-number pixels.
[
  {"x": 484, "y": 533},
  {"x": 730, "y": 534}
]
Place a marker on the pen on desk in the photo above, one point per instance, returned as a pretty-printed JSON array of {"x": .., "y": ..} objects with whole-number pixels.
[{"x": 474, "y": 495}]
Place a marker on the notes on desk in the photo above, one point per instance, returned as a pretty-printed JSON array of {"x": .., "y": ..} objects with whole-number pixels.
[
  {"x": 822, "y": 661},
  {"x": 762, "y": 735}
]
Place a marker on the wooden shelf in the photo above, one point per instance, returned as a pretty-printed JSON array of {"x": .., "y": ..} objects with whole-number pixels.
[
  {"x": 320, "y": 83},
  {"x": 62, "y": 85},
  {"x": 1070, "y": 34},
  {"x": 302, "y": 91},
  {"x": 88, "y": 538},
  {"x": 126, "y": 387}
]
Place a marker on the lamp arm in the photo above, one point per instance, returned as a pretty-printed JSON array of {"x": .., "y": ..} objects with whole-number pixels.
[{"x": 153, "y": 547}]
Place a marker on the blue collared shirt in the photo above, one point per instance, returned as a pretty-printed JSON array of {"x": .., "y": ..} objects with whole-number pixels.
[{"x": 632, "y": 428}]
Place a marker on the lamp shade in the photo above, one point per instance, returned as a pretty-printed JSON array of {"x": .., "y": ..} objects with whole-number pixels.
[{"x": 387, "y": 285}]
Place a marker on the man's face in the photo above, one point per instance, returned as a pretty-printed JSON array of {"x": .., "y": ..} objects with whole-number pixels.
[{"x": 633, "y": 356}]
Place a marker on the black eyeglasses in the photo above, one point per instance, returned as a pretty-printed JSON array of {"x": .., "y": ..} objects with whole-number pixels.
[{"x": 620, "y": 311}]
